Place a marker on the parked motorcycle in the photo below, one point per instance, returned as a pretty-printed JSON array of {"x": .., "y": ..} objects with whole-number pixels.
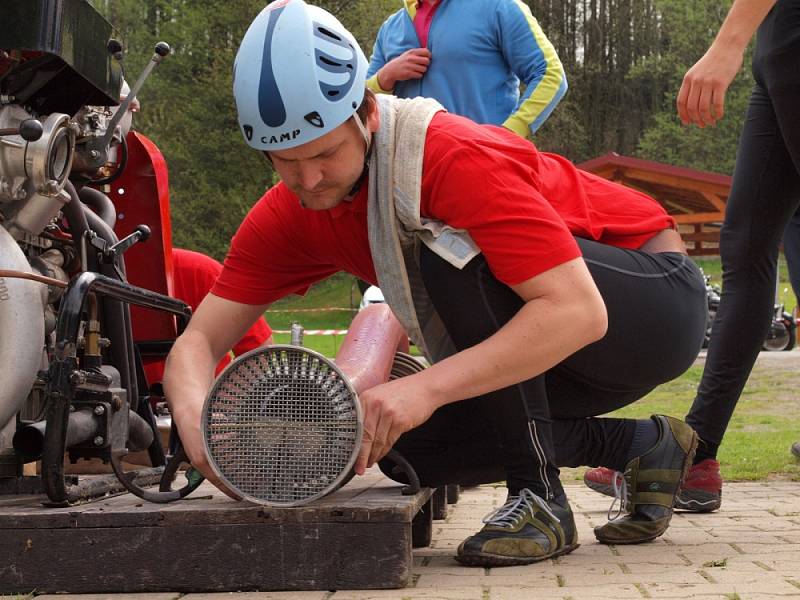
[{"x": 782, "y": 333}]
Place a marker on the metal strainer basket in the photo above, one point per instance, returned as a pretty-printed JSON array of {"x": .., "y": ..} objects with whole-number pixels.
[{"x": 282, "y": 426}]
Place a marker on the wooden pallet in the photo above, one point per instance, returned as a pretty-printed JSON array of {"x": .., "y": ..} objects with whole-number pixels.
[{"x": 360, "y": 537}]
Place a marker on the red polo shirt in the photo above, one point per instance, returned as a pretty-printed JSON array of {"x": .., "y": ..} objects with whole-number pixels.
[
  {"x": 522, "y": 207},
  {"x": 194, "y": 275}
]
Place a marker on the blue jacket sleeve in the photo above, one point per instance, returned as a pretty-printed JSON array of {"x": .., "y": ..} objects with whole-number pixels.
[
  {"x": 375, "y": 63},
  {"x": 533, "y": 59}
]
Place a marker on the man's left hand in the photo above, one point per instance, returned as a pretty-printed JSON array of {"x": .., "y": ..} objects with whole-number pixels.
[{"x": 389, "y": 410}]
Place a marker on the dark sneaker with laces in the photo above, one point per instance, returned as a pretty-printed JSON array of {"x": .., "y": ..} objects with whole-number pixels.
[
  {"x": 526, "y": 529},
  {"x": 649, "y": 485},
  {"x": 701, "y": 491}
]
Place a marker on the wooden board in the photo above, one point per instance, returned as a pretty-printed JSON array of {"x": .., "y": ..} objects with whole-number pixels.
[{"x": 360, "y": 537}]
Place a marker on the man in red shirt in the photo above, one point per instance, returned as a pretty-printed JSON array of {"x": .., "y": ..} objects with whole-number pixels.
[
  {"x": 194, "y": 275},
  {"x": 564, "y": 295}
]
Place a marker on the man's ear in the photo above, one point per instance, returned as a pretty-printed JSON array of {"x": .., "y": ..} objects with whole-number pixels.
[{"x": 373, "y": 116}]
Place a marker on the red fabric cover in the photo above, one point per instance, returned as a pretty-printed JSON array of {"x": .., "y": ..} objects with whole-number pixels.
[
  {"x": 194, "y": 275},
  {"x": 522, "y": 207}
]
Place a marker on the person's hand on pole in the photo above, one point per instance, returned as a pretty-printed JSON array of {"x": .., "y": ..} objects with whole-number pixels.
[{"x": 412, "y": 64}]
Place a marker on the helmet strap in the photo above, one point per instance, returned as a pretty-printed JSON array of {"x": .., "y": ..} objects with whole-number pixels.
[
  {"x": 364, "y": 134},
  {"x": 368, "y": 141}
]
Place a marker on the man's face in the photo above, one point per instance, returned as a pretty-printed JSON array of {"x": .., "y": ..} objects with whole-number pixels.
[{"x": 322, "y": 172}]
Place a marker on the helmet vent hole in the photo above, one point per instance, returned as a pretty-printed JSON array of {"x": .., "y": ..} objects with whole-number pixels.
[
  {"x": 333, "y": 93},
  {"x": 330, "y": 62},
  {"x": 329, "y": 33}
]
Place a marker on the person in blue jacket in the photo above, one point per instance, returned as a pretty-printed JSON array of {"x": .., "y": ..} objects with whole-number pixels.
[{"x": 471, "y": 56}]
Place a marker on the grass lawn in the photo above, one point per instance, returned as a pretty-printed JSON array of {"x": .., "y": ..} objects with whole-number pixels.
[{"x": 766, "y": 421}]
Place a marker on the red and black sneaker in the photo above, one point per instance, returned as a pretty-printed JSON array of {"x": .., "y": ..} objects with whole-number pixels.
[
  {"x": 701, "y": 491},
  {"x": 600, "y": 479}
]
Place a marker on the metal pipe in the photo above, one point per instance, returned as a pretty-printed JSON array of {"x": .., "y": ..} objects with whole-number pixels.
[
  {"x": 367, "y": 352},
  {"x": 29, "y": 440},
  {"x": 33, "y": 277},
  {"x": 59, "y": 388},
  {"x": 140, "y": 434}
]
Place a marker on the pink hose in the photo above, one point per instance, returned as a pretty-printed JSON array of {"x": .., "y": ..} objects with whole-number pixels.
[{"x": 368, "y": 349}]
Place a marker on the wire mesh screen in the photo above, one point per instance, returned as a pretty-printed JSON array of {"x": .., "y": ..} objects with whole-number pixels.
[{"x": 282, "y": 425}]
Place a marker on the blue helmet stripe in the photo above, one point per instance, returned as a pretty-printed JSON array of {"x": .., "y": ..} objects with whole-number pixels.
[
  {"x": 331, "y": 64},
  {"x": 270, "y": 103}
]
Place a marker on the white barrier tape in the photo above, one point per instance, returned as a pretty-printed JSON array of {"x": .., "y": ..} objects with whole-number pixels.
[{"x": 315, "y": 331}]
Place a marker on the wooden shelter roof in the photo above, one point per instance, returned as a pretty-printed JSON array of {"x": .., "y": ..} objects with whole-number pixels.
[{"x": 696, "y": 199}]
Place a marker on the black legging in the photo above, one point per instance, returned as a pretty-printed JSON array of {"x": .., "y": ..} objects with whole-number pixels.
[
  {"x": 764, "y": 196},
  {"x": 656, "y": 319},
  {"x": 791, "y": 248}
]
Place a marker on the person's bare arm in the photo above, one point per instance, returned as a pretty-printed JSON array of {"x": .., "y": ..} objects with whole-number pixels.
[
  {"x": 563, "y": 312},
  {"x": 701, "y": 99},
  {"x": 216, "y": 326}
]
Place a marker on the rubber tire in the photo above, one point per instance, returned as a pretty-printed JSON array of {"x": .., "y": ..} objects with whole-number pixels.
[{"x": 792, "y": 339}]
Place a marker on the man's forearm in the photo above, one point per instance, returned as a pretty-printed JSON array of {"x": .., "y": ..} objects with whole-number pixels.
[
  {"x": 533, "y": 341},
  {"x": 189, "y": 373},
  {"x": 743, "y": 19}
]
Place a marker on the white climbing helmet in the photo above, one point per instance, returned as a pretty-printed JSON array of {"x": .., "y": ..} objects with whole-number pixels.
[{"x": 298, "y": 75}]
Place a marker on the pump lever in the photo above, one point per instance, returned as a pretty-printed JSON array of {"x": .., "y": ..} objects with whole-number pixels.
[
  {"x": 140, "y": 234},
  {"x": 162, "y": 50},
  {"x": 99, "y": 146},
  {"x": 29, "y": 130}
]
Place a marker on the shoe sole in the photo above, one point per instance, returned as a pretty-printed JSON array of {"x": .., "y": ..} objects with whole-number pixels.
[
  {"x": 687, "y": 463},
  {"x": 495, "y": 560},
  {"x": 696, "y": 501},
  {"x": 600, "y": 488}
]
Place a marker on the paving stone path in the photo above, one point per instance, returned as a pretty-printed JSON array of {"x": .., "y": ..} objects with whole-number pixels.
[{"x": 748, "y": 550}]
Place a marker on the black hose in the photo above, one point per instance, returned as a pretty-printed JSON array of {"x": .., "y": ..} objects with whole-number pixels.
[
  {"x": 118, "y": 316},
  {"x": 101, "y": 204},
  {"x": 78, "y": 226}
]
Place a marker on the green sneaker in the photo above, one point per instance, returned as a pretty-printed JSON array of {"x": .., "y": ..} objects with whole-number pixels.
[
  {"x": 649, "y": 486},
  {"x": 525, "y": 530}
]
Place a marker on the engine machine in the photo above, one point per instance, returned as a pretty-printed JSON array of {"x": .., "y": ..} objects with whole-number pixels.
[{"x": 72, "y": 382}]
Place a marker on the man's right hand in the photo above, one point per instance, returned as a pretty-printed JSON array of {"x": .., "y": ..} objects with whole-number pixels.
[{"x": 411, "y": 64}]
